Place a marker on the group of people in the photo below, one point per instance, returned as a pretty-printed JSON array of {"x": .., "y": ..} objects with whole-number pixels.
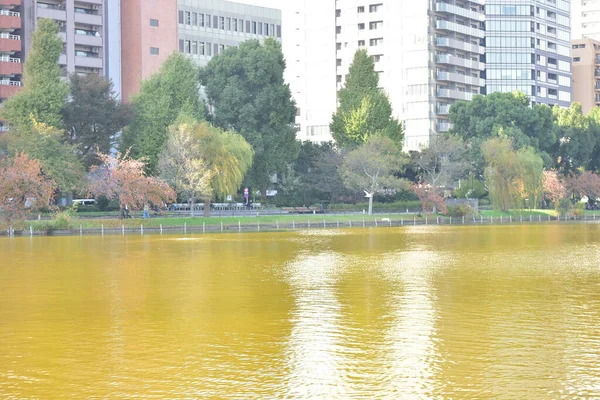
[{"x": 144, "y": 216}]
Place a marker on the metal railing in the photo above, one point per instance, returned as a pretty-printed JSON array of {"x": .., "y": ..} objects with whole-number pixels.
[
  {"x": 5, "y": 35},
  {"x": 10, "y": 13}
]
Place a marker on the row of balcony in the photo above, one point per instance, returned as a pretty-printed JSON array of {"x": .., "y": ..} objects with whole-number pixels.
[
  {"x": 459, "y": 45},
  {"x": 459, "y": 78},
  {"x": 454, "y": 94},
  {"x": 458, "y": 28},
  {"x": 60, "y": 14},
  {"x": 459, "y": 61},
  {"x": 463, "y": 12}
]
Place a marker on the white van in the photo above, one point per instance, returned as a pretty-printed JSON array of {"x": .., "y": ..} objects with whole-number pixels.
[{"x": 84, "y": 202}]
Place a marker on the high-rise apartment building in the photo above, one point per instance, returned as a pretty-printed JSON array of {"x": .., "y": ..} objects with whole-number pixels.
[
  {"x": 586, "y": 73},
  {"x": 82, "y": 30},
  {"x": 528, "y": 48},
  {"x": 207, "y": 27},
  {"x": 428, "y": 55},
  {"x": 586, "y": 19},
  {"x": 10, "y": 50}
]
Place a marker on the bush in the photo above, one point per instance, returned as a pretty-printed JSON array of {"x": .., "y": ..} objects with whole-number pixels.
[
  {"x": 479, "y": 191},
  {"x": 102, "y": 203},
  {"x": 63, "y": 220},
  {"x": 398, "y": 206},
  {"x": 564, "y": 207},
  {"x": 461, "y": 210},
  {"x": 579, "y": 207}
]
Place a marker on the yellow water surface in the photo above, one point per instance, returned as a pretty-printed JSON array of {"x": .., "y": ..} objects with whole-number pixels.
[{"x": 502, "y": 312}]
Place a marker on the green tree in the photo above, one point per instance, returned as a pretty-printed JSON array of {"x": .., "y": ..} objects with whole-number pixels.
[
  {"x": 442, "y": 162},
  {"x": 44, "y": 94},
  {"x": 58, "y": 160},
  {"x": 246, "y": 89},
  {"x": 202, "y": 161},
  {"x": 374, "y": 166},
  {"x": 503, "y": 115},
  {"x": 163, "y": 96},
  {"x": 577, "y": 136},
  {"x": 93, "y": 116},
  {"x": 364, "y": 109}
]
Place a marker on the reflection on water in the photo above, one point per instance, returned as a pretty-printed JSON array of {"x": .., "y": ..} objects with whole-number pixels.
[{"x": 419, "y": 312}]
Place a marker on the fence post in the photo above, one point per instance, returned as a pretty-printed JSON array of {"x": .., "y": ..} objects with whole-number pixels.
[
  {"x": 438, "y": 220},
  {"x": 161, "y": 229},
  {"x": 376, "y": 222},
  {"x": 324, "y": 224},
  {"x": 277, "y": 223},
  {"x": 450, "y": 220},
  {"x": 350, "y": 222},
  {"x": 521, "y": 218},
  {"x": 401, "y": 221},
  {"x": 308, "y": 223},
  {"x": 80, "y": 230},
  {"x": 491, "y": 219},
  {"x": 463, "y": 219},
  {"x": 363, "y": 222},
  {"x": 10, "y": 231},
  {"x": 185, "y": 228},
  {"x": 293, "y": 225},
  {"x": 221, "y": 226},
  {"x": 481, "y": 219},
  {"x": 141, "y": 229},
  {"x": 203, "y": 227},
  {"x": 257, "y": 226},
  {"x": 102, "y": 229},
  {"x": 501, "y": 219},
  {"x": 390, "y": 221},
  {"x": 540, "y": 218},
  {"x": 426, "y": 220},
  {"x": 123, "y": 229},
  {"x": 415, "y": 220},
  {"x": 338, "y": 224},
  {"x": 30, "y": 230},
  {"x": 510, "y": 218}
]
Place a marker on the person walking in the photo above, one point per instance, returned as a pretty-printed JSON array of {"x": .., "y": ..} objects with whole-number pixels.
[{"x": 146, "y": 211}]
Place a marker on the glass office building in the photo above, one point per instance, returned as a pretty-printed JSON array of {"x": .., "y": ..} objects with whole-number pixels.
[{"x": 528, "y": 49}]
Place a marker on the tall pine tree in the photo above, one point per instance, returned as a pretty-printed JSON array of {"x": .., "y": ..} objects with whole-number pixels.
[
  {"x": 44, "y": 93},
  {"x": 364, "y": 109}
]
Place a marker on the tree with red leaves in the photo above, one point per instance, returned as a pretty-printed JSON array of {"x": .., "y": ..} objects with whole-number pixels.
[
  {"x": 23, "y": 186},
  {"x": 554, "y": 188},
  {"x": 585, "y": 184},
  {"x": 430, "y": 197},
  {"x": 123, "y": 178}
]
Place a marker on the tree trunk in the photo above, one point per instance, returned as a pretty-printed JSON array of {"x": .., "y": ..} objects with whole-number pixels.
[
  {"x": 207, "y": 207},
  {"x": 121, "y": 211},
  {"x": 371, "y": 203},
  {"x": 192, "y": 207}
]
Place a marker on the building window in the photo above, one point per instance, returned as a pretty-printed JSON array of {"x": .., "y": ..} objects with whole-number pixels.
[
  {"x": 361, "y": 43},
  {"x": 235, "y": 24},
  {"x": 181, "y": 45},
  {"x": 208, "y": 49},
  {"x": 375, "y": 25},
  {"x": 207, "y": 20},
  {"x": 188, "y": 18},
  {"x": 180, "y": 17},
  {"x": 576, "y": 59},
  {"x": 272, "y": 30},
  {"x": 194, "y": 19},
  {"x": 375, "y": 42},
  {"x": 201, "y": 19},
  {"x": 187, "y": 46},
  {"x": 375, "y": 7},
  {"x": 338, "y": 13},
  {"x": 221, "y": 48},
  {"x": 153, "y": 22},
  {"x": 154, "y": 51},
  {"x": 222, "y": 23},
  {"x": 361, "y": 27},
  {"x": 266, "y": 29},
  {"x": 241, "y": 26},
  {"x": 260, "y": 28},
  {"x": 278, "y": 31},
  {"x": 228, "y": 23},
  {"x": 360, "y": 9},
  {"x": 194, "y": 47},
  {"x": 254, "y": 27},
  {"x": 201, "y": 48},
  {"x": 377, "y": 57}
]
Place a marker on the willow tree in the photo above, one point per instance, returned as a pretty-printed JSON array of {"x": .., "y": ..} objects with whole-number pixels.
[
  {"x": 202, "y": 161},
  {"x": 512, "y": 175}
]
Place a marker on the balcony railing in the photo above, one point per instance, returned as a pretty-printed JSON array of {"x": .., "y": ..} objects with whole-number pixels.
[
  {"x": 10, "y": 13},
  {"x": 6, "y": 82},
  {"x": 5, "y": 35},
  {"x": 10, "y": 59},
  {"x": 61, "y": 7}
]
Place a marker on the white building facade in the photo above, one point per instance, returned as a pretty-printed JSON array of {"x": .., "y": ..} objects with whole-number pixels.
[{"x": 586, "y": 19}]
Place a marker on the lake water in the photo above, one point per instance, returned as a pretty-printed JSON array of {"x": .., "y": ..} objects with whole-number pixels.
[{"x": 500, "y": 312}]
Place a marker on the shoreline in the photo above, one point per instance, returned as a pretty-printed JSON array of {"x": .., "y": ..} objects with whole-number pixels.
[{"x": 301, "y": 225}]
